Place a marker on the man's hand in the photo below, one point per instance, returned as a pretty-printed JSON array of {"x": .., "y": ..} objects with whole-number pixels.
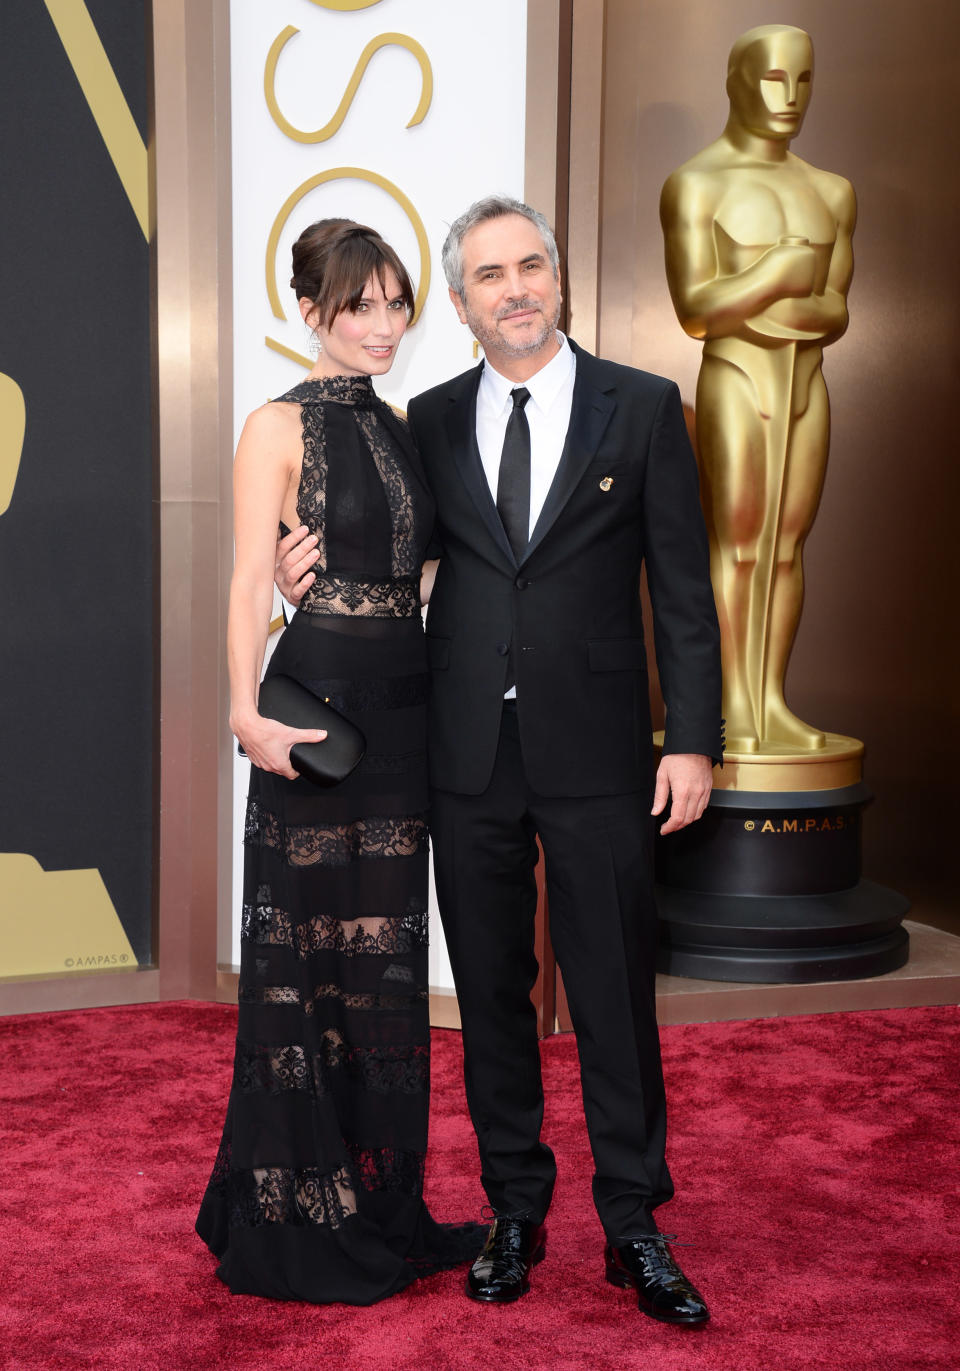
[
  {"x": 296, "y": 554},
  {"x": 687, "y": 779}
]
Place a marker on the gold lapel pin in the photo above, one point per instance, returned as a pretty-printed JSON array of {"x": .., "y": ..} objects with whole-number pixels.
[{"x": 606, "y": 483}]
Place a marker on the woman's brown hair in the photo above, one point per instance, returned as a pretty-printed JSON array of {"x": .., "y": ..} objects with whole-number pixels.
[{"x": 334, "y": 259}]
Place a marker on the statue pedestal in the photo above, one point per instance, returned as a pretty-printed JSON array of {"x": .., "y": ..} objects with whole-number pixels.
[{"x": 766, "y": 887}]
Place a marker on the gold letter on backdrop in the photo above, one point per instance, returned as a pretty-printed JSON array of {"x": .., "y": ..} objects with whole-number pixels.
[
  {"x": 13, "y": 423},
  {"x": 107, "y": 103},
  {"x": 345, "y": 4},
  {"x": 759, "y": 261},
  {"x": 383, "y": 40},
  {"x": 58, "y": 921},
  {"x": 286, "y": 209}
]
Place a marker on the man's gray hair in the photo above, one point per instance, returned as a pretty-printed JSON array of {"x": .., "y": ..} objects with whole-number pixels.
[{"x": 490, "y": 207}]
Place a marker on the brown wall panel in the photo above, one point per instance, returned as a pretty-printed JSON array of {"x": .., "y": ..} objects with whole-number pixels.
[{"x": 876, "y": 653}]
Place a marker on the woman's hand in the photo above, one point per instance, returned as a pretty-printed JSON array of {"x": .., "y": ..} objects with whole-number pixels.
[{"x": 267, "y": 743}]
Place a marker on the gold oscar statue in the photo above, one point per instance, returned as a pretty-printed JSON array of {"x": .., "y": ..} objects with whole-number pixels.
[{"x": 759, "y": 260}]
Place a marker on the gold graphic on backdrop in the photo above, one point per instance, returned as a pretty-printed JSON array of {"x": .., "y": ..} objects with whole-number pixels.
[
  {"x": 286, "y": 209},
  {"x": 13, "y": 424},
  {"x": 759, "y": 260},
  {"x": 383, "y": 40},
  {"x": 291, "y": 354},
  {"x": 57, "y": 921},
  {"x": 346, "y": 4},
  {"x": 108, "y": 106}
]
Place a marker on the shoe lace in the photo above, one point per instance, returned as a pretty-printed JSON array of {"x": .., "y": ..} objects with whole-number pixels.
[
  {"x": 659, "y": 1266},
  {"x": 502, "y": 1239}
]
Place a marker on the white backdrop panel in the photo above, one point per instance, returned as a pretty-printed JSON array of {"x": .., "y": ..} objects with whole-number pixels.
[{"x": 470, "y": 141}]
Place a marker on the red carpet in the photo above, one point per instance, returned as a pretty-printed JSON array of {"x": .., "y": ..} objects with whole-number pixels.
[{"x": 815, "y": 1161}]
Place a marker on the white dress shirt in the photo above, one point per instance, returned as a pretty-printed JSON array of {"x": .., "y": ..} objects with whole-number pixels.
[{"x": 548, "y": 415}]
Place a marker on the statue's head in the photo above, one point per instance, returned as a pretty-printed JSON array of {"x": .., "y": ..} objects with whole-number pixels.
[{"x": 769, "y": 75}]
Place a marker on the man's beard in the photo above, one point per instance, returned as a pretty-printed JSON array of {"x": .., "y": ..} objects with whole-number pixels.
[{"x": 492, "y": 336}]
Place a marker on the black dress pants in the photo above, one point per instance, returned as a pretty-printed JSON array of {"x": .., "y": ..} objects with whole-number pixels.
[{"x": 599, "y": 876}]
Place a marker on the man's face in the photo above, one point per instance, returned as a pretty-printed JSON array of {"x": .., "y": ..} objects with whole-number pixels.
[
  {"x": 770, "y": 90},
  {"x": 511, "y": 298}
]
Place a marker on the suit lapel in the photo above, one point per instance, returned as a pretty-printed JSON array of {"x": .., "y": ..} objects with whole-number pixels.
[
  {"x": 461, "y": 423},
  {"x": 591, "y": 412}
]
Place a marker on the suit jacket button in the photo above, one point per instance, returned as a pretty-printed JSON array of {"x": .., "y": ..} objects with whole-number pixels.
[
  {"x": 521, "y": 583},
  {"x": 503, "y": 649}
]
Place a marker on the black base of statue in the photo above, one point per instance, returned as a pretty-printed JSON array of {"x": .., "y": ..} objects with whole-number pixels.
[{"x": 766, "y": 888}]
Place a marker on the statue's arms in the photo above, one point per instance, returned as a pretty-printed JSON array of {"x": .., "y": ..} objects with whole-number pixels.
[
  {"x": 825, "y": 312},
  {"x": 710, "y": 304}
]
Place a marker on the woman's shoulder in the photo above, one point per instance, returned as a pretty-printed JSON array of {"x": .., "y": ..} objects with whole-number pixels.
[{"x": 274, "y": 426}]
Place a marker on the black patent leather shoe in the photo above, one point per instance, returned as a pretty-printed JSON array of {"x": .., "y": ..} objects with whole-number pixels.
[
  {"x": 663, "y": 1291},
  {"x": 501, "y": 1273}
]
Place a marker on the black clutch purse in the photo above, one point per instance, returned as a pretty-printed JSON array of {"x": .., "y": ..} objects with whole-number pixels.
[{"x": 326, "y": 763}]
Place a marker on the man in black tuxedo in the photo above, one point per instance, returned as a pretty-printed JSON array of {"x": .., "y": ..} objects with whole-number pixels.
[{"x": 556, "y": 476}]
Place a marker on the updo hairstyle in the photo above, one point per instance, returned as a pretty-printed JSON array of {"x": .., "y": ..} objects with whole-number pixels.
[{"x": 334, "y": 259}]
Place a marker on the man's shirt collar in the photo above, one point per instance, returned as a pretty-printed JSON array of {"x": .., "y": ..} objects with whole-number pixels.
[{"x": 544, "y": 385}]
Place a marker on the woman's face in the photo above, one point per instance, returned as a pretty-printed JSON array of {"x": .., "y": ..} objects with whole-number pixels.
[{"x": 362, "y": 341}]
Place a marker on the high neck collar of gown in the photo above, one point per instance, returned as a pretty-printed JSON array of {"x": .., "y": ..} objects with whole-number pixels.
[{"x": 342, "y": 390}]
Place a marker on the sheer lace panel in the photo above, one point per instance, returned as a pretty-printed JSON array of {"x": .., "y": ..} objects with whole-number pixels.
[
  {"x": 269, "y": 994},
  {"x": 382, "y": 1070},
  {"x": 270, "y": 1070},
  {"x": 335, "y": 844},
  {"x": 308, "y": 1195},
  {"x": 389, "y": 763},
  {"x": 357, "y": 1000},
  {"x": 274, "y": 1194},
  {"x": 399, "y": 972},
  {"x": 404, "y": 549},
  {"x": 277, "y": 1194},
  {"x": 352, "y": 399},
  {"x": 389, "y": 934},
  {"x": 397, "y": 692},
  {"x": 386, "y": 1168},
  {"x": 333, "y": 594},
  {"x": 342, "y": 390},
  {"x": 289, "y": 994},
  {"x": 312, "y": 492}
]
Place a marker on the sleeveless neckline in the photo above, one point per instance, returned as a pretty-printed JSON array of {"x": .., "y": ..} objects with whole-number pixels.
[{"x": 341, "y": 390}]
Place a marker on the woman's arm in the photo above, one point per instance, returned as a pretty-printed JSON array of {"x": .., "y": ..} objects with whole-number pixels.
[
  {"x": 427, "y": 577},
  {"x": 263, "y": 469}
]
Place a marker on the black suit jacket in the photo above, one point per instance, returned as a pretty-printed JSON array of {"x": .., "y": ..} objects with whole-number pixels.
[{"x": 625, "y": 493}]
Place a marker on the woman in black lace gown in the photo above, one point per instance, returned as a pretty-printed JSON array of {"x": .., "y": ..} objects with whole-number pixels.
[{"x": 316, "y": 1193}]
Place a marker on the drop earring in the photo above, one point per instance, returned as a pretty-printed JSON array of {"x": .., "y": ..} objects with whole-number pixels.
[{"x": 314, "y": 347}]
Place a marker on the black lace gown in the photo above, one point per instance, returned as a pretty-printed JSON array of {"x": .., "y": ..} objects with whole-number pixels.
[{"x": 316, "y": 1193}]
